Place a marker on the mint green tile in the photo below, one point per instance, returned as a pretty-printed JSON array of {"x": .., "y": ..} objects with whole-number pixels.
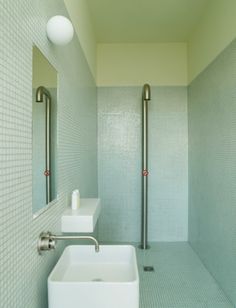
[{"x": 212, "y": 168}]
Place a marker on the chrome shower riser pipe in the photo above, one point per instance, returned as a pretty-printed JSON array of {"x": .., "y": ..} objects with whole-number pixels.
[
  {"x": 144, "y": 223},
  {"x": 42, "y": 92}
]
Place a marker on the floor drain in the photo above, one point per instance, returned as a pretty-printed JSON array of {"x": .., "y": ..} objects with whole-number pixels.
[
  {"x": 148, "y": 269},
  {"x": 97, "y": 279}
]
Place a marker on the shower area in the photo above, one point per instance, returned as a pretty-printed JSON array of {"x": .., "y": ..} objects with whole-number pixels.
[
  {"x": 120, "y": 163},
  {"x": 190, "y": 185},
  {"x": 153, "y": 214}
]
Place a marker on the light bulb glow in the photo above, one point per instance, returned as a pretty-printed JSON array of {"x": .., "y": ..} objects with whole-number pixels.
[{"x": 60, "y": 30}]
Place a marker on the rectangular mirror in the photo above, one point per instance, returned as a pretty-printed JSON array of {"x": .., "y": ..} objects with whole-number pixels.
[{"x": 44, "y": 90}]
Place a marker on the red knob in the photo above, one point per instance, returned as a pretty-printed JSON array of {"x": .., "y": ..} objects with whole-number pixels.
[{"x": 47, "y": 172}]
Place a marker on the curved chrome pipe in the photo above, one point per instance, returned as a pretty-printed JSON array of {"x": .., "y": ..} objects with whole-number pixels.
[
  {"x": 42, "y": 92},
  {"x": 146, "y": 92},
  {"x": 144, "y": 225},
  {"x": 47, "y": 240},
  {"x": 75, "y": 237}
]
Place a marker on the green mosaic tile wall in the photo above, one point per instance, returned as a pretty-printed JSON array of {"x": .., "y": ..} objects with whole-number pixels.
[
  {"x": 24, "y": 273},
  {"x": 212, "y": 168},
  {"x": 119, "y": 163}
]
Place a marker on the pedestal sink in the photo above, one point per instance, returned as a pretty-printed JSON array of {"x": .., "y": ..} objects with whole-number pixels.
[{"x": 83, "y": 278}]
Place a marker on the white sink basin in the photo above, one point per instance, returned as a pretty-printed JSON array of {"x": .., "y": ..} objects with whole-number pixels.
[{"x": 83, "y": 278}]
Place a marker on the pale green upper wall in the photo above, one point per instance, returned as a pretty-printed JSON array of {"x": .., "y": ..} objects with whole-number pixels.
[
  {"x": 135, "y": 64},
  {"x": 145, "y": 21},
  {"x": 213, "y": 33},
  {"x": 80, "y": 16},
  {"x": 44, "y": 74},
  {"x": 158, "y": 63}
]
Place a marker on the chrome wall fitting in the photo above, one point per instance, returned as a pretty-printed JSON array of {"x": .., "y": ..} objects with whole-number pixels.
[{"x": 47, "y": 241}]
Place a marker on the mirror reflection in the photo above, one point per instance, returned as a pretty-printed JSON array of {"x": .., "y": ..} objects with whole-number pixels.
[{"x": 44, "y": 117}]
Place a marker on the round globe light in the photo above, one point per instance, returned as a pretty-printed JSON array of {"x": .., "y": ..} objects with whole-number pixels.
[{"x": 60, "y": 30}]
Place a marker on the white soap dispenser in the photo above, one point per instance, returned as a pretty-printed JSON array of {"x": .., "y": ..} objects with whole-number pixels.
[{"x": 75, "y": 199}]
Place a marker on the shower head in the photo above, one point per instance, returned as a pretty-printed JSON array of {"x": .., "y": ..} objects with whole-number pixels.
[
  {"x": 146, "y": 92},
  {"x": 40, "y": 92}
]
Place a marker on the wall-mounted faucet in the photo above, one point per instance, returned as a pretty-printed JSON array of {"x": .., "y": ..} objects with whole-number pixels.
[{"x": 47, "y": 241}]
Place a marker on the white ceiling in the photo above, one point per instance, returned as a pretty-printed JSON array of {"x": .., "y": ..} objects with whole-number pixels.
[{"x": 145, "y": 21}]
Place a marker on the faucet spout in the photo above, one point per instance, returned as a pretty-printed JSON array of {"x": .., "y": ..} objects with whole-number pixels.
[
  {"x": 74, "y": 237},
  {"x": 47, "y": 240}
]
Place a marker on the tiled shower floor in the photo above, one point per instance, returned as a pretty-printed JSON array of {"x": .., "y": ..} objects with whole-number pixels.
[{"x": 180, "y": 280}]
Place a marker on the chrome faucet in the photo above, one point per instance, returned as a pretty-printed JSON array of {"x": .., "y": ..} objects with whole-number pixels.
[{"x": 47, "y": 240}]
